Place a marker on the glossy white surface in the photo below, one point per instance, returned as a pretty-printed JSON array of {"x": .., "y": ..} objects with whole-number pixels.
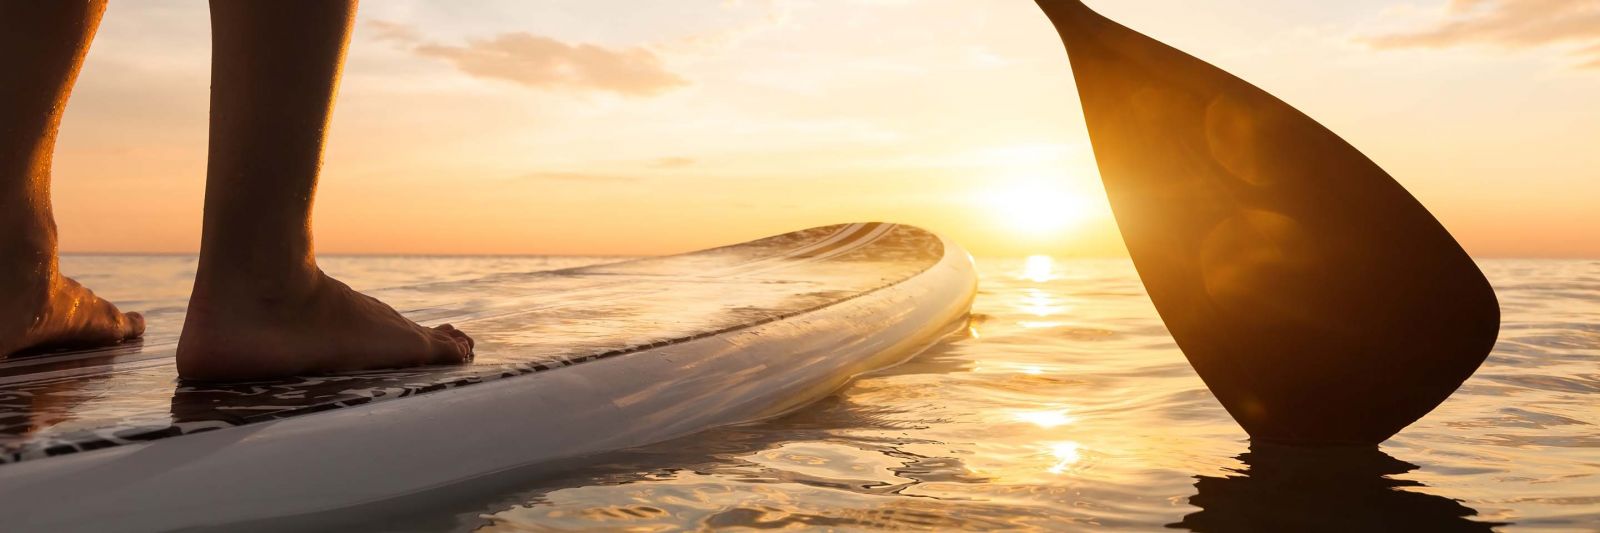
[{"x": 383, "y": 450}]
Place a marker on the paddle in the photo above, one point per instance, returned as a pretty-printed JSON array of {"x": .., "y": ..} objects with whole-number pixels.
[{"x": 1319, "y": 301}]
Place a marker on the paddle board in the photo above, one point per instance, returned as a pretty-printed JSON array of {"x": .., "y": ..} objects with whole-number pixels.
[{"x": 570, "y": 363}]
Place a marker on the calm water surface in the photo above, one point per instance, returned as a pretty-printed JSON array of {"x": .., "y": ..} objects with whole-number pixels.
[{"x": 1065, "y": 407}]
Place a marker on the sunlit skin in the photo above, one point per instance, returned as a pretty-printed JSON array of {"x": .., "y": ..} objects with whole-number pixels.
[
  {"x": 40, "y": 46},
  {"x": 260, "y": 308}
]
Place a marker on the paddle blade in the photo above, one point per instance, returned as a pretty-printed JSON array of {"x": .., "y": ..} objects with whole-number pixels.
[{"x": 1319, "y": 301}]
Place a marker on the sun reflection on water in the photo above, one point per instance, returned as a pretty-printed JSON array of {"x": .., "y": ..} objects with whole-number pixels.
[
  {"x": 1046, "y": 419},
  {"x": 1066, "y": 454},
  {"x": 1097, "y": 421},
  {"x": 1040, "y": 304}
]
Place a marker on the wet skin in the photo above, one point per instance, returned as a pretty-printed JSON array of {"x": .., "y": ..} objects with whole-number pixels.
[{"x": 260, "y": 308}]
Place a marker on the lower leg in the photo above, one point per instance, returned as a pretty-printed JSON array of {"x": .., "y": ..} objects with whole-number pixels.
[
  {"x": 261, "y": 308},
  {"x": 42, "y": 46}
]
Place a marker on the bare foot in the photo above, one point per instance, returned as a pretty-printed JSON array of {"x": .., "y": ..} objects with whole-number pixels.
[
  {"x": 40, "y": 308},
  {"x": 319, "y": 325}
]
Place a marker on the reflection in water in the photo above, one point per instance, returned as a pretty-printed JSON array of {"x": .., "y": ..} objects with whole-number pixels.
[
  {"x": 1041, "y": 304},
  {"x": 1066, "y": 455},
  {"x": 794, "y": 472},
  {"x": 25, "y": 410},
  {"x": 974, "y": 435},
  {"x": 1322, "y": 489},
  {"x": 1046, "y": 419}
]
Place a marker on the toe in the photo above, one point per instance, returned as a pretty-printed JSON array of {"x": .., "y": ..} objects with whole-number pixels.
[
  {"x": 132, "y": 326},
  {"x": 458, "y": 335},
  {"x": 103, "y": 323},
  {"x": 450, "y": 349}
]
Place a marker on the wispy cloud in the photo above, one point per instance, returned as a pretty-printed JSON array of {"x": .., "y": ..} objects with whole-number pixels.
[
  {"x": 582, "y": 177},
  {"x": 1509, "y": 24},
  {"x": 778, "y": 14},
  {"x": 538, "y": 61},
  {"x": 672, "y": 162}
]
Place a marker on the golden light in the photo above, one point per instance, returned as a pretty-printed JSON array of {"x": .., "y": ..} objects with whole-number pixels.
[
  {"x": 1036, "y": 206},
  {"x": 1040, "y": 304},
  {"x": 1039, "y": 268},
  {"x": 1045, "y": 419},
  {"x": 1007, "y": 368},
  {"x": 1066, "y": 455}
]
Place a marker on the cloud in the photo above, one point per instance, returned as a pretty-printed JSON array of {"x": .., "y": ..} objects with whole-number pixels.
[
  {"x": 1592, "y": 52},
  {"x": 581, "y": 177},
  {"x": 537, "y": 61},
  {"x": 778, "y": 14},
  {"x": 672, "y": 162},
  {"x": 392, "y": 31},
  {"x": 1509, "y": 24}
]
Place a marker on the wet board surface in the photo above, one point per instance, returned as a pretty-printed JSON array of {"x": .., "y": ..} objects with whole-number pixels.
[{"x": 542, "y": 322}]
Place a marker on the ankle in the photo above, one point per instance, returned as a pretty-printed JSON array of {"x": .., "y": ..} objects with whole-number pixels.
[
  {"x": 262, "y": 282},
  {"x": 27, "y": 245}
]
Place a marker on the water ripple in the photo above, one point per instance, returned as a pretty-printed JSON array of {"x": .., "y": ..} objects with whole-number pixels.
[{"x": 1068, "y": 407}]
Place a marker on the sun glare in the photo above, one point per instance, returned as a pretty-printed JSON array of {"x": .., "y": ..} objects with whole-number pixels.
[
  {"x": 1045, "y": 419},
  {"x": 1039, "y": 268},
  {"x": 1036, "y": 206},
  {"x": 1066, "y": 454}
]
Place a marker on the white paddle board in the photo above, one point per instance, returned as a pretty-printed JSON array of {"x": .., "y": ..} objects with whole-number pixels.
[{"x": 570, "y": 363}]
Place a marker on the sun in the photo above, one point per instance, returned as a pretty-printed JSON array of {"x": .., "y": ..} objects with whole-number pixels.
[{"x": 1036, "y": 206}]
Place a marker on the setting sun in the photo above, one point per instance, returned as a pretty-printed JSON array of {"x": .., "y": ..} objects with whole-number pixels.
[{"x": 1036, "y": 206}]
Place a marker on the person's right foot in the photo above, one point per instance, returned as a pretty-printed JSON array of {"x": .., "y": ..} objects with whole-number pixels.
[
  {"x": 242, "y": 328},
  {"x": 40, "y": 308}
]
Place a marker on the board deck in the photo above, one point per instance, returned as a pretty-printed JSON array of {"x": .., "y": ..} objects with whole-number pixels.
[
  {"x": 570, "y": 363},
  {"x": 65, "y": 403}
]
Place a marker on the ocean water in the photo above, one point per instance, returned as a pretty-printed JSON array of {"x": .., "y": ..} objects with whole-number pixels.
[{"x": 1065, "y": 406}]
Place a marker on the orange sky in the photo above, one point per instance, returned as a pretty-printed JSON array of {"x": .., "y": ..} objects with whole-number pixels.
[{"x": 620, "y": 127}]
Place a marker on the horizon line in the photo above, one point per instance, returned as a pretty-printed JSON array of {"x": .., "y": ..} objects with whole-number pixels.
[{"x": 617, "y": 255}]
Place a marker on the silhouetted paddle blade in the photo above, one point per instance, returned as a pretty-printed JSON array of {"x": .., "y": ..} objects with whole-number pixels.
[{"x": 1319, "y": 301}]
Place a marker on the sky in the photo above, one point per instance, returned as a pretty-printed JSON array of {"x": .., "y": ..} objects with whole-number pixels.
[{"x": 619, "y": 127}]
